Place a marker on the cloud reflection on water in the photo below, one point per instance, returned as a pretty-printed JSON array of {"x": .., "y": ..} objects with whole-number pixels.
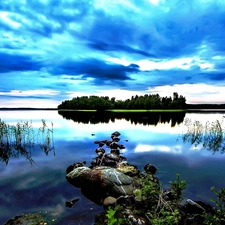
[
  {"x": 161, "y": 148},
  {"x": 42, "y": 186}
]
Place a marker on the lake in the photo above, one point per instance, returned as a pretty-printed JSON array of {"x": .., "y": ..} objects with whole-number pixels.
[{"x": 148, "y": 137}]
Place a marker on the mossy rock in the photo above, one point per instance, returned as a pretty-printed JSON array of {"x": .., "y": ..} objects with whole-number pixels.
[{"x": 28, "y": 219}]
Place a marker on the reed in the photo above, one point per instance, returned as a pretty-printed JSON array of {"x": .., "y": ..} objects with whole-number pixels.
[
  {"x": 45, "y": 137},
  {"x": 209, "y": 136},
  {"x": 20, "y": 139}
]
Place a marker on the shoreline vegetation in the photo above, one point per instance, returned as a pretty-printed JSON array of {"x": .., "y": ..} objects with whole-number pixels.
[
  {"x": 199, "y": 108},
  {"x": 146, "y": 103},
  {"x": 151, "y": 102}
]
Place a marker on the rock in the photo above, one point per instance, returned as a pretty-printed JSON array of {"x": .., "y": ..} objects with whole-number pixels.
[
  {"x": 195, "y": 207},
  {"x": 127, "y": 200},
  {"x": 78, "y": 176},
  {"x": 27, "y": 219},
  {"x": 75, "y": 165},
  {"x": 100, "y": 151},
  {"x": 116, "y": 133},
  {"x": 113, "y": 145},
  {"x": 150, "y": 169},
  {"x": 109, "y": 201},
  {"x": 98, "y": 183},
  {"x": 115, "y": 151},
  {"x": 71, "y": 203},
  {"x": 100, "y": 143},
  {"x": 116, "y": 139},
  {"x": 112, "y": 181},
  {"x": 128, "y": 169}
]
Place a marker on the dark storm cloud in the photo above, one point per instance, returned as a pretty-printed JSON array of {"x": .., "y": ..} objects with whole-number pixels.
[
  {"x": 17, "y": 62},
  {"x": 215, "y": 76},
  {"x": 97, "y": 69},
  {"x": 101, "y": 46}
]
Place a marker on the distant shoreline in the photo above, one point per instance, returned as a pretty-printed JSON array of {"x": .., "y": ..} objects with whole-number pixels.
[
  {"x": 121, "y": 110},
  {"x": 7, "y": 109}
]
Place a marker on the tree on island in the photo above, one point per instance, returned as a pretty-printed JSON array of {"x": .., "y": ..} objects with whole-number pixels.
[{"x": 152, "y": 101}]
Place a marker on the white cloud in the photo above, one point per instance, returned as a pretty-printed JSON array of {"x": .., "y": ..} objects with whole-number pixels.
[
  {"x": 5, "y": 16},
  {"x": 28, "y": 103},
  {"x": 119, "y": 94},
  {"x": 194, "y": 93},
  {"x": 30, "y": 93},
  {"x": 181, "y": 63}
]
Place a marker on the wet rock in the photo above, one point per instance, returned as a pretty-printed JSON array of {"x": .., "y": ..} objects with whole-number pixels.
[
  {"x": 111, "y": 159},
  {"x": 108, "y": 142},
  {"x": 75, "y": 165},
  {"x": 115, "y": 151},
  {"x": 150, "y": 169},
  {"x": 78, "y": 176},
  {"x": 116, "y": 133},
  {"x": 100, "y": 182},
  {"x": 113, "y": 145},
  {"x": 100, "y": 151},
  {"x": 71, "y": 203},
  {"x": 112, "y": 181},
  {"x": 121, "y": 146},
  {"x": 115, "y": 139}
]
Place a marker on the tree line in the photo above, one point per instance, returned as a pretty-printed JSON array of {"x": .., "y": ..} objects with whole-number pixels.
[{"x": 151, "y": 101}]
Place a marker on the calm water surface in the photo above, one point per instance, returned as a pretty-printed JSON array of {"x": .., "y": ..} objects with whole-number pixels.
[{"x": 42, "y": 187}]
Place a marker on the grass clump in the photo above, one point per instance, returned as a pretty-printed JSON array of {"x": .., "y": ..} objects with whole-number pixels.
[{"x": 20, "y": 139}]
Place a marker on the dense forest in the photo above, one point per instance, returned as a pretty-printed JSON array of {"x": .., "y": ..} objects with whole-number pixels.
[{"x": 153, "y": 101}]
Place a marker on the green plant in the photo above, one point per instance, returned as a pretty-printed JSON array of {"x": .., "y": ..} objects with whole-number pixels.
[
  {"x": 158, "y": 210},
  {"x": 216, "y": 217},
  {"x": 177, "y": 187},
  {"x": 166, "y": 217},
  {"x": 112, "y": 217}
]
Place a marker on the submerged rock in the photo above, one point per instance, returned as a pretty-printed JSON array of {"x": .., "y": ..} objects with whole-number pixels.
[{"x": 28, "y": 219}]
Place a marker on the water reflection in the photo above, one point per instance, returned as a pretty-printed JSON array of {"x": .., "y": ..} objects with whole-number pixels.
[
  {"x": 209, "y": 136},
  {"x": 42, "y": 186},
  {"x": 144, "y": 118},
  {"x": 20, "y": 139}
]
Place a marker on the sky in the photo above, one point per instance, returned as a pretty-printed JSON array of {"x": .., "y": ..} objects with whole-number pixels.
[{"x": 54, "y": 50}]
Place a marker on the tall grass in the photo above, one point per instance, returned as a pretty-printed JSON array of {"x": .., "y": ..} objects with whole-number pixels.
[
  {"x": 20, "y": 139},
  {"x": 45, "y": 137},
  {"x": 210, "y": 136}
]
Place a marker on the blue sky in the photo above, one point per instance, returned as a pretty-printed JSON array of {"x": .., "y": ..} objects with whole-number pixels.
[{"x": 52, "y": 50}]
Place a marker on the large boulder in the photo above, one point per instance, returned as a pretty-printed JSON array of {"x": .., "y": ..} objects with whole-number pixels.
[{"x": 100, "y": 182}]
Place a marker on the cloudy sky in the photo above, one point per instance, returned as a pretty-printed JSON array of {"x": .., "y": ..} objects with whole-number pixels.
[{"x": 52, "y": 50}]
